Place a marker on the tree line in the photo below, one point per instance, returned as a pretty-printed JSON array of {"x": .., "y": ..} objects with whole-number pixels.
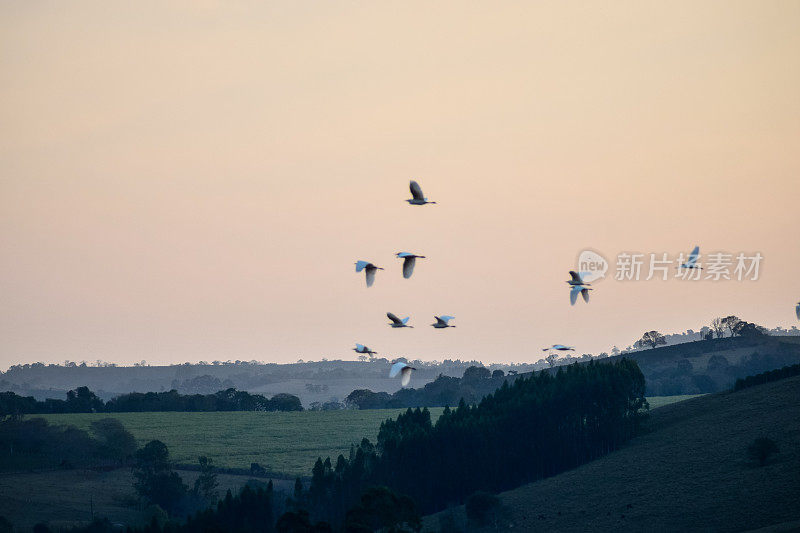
[
  {"x": 476, "y": 383},
  {"x": 767, "y": 377},
  {"x": 83, "y": 400}
]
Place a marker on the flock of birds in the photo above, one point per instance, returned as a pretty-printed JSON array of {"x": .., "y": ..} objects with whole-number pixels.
[
  {"x": 577, "y": 285},
  {"x": 399, "y": 368}
]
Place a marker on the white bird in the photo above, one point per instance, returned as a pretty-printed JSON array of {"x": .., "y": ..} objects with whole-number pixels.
[
  {"x": 397, "y": 323},
  {"x": 370, "y": 271},
  {"x": 404, "y": 370},
  {"x": 360, "y": 348},
  {"x": 409, "y": 260},
  {"x": 577, "y": 286},
  {"x": 442, "y": 321},
  {"x": 559, "y": 347},
  {"x": 692, "y": 261},
  {"x": 417, "y": 197}
]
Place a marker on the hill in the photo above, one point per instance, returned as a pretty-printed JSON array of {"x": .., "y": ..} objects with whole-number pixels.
[
  {"x": 712, "y": 365},
  {"x": 689, "y": 472}
]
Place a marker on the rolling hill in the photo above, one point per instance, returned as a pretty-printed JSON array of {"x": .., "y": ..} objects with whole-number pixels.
[{"x": 688, "y": 472}]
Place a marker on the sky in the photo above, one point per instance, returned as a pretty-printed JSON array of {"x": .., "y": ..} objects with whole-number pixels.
[{"x": 185, "y": 181}]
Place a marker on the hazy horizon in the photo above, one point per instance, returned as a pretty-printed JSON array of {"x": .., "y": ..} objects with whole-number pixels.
[{"x": 185, "y": 182}]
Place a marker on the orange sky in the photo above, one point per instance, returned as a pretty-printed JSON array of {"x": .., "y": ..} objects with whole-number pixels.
[{"x": 194, "y": 180}]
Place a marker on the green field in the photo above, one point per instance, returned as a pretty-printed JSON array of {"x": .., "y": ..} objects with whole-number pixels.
[
  {"x": 660, "y": 401},
  {"x": 288, "y": 442}
]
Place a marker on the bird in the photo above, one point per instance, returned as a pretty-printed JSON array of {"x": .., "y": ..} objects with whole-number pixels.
[
  {"x": 577, "y": 278},
  {"x": 442, "y": 321},
  {"x": 578, "y": 286},
  {"x": 692, "y": 261},
  {"x": 397, "y": 323},
  {"x": 797, "y": 310},
  {"x": 559, "y": 347},
  {"x": 417, "y": 196},
  {"x": 409, "y": 260},
  {"x": 404, "y": 370},
  {"x": 360, "y": 348},
  {"x": 370, "y": 271}
]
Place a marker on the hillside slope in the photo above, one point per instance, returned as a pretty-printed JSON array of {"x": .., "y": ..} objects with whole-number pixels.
[{"x": 689, "y": 472}]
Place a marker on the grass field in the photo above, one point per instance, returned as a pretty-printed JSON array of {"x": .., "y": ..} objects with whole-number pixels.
[
  {"x": 286, "y": 443},
  {"x": 661, "y": 401}
]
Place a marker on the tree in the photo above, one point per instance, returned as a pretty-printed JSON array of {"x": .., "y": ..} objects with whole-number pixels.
[
  {"x": 476, "y": 373},
  {"x": 748, "y": 329},
  {"x": 761, "y": 449},
  {"x": 718, "y": 326},
  {"x": 117, "y": 443},
  {"x": 382, "y": 509},
  {"x": 652, "y": 339},
  {"x": 206, "y": 483},
  {"x": 551, "y": 359},
  {"x": 498, "y": 374},
  {"x": 155, "y": 479},
  {"x": 729, "y": 322}
]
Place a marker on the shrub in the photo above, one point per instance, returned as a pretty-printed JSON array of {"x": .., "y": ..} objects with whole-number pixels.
[{"x": 761, "y": 449}]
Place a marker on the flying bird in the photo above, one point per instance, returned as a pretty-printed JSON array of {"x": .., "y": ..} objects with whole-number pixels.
[
  {"x": 576, "y": 278},
  {"x": 797, "y": 310},
  {"x": 409, "y": 260},
  {"x": 370, "y": 271},
  {"x": 692, "y": 261},
  {"x": 360, "y": 348},
  {"x": 578, "y": 286},
  {"x": 404, "y": 370},
  {"x": 397, "y": 323},
  {"x": 559, "y": 347},
  {"x": 417, "y": 197},
  {"x": 442, "y": 322}
]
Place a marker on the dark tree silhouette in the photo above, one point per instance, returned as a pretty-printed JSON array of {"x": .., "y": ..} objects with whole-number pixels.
[
  {"x": 718, "y": 326},
  {"x": 729, "y": 322},
  {"x": 155, "y": 479},
  {"x": 652, "y": 339}
]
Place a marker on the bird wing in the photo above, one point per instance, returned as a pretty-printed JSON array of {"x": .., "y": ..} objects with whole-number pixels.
[
  {"x": 405, "y": 375},
  {"x": 693, "y": 256},
  {"x": 396, "y": 368},
  {"x": 416, "y": 190},
  {"x": 408, "y": 266},
  {"x": 394, "y": 318},
  {"x": 361, "y": 265},
  {"x": 405, "y": 320},
  {"x": 371, "y": 275},
  {"x": 403, "y": 254},
  {"x": 360, "y": 348},
  {"x": 576, "y": 277},
  {"x": 585, "y": 294},
  {"x": 445, "y": 318},
  {"x": 573, "y": 294}
]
